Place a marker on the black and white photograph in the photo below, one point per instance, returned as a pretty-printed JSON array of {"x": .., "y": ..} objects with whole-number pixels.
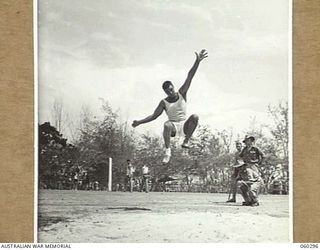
[{"x": 164, "y": 121}]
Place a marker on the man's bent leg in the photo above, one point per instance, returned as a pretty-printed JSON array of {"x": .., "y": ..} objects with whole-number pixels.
[
  {"x": 253, "y": 192},
  {"x": 189, "y": 127},
  {"x": 244, "y": 192},
  {"x": 168, "y": 131}
]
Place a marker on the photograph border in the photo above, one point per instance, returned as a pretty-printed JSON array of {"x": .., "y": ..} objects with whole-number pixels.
[{"x": 18, "y": 107}]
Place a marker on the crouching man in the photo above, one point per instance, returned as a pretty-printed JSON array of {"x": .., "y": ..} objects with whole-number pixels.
[{"x": 249, "y": 182}]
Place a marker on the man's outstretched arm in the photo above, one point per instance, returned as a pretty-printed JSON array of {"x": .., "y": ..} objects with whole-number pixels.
[
  {"x": 199, "y": 57},
  {"x": 158, "y": 111}
]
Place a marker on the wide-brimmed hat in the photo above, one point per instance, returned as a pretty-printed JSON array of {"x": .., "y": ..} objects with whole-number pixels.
[
  {"x": 248, "y": 137},
  {"x": 239, "y": 164}
]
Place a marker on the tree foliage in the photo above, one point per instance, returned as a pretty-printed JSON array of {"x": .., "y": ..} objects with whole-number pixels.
[
  {"x": 210, "y": 156},
  {"x": 56, "y": 156}
]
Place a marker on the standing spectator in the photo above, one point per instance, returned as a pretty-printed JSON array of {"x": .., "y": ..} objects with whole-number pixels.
[
  {"x": 130, "y": 172},
  {"x": 96, "y": 186},
  {"x": 70, "y": 181},
  {"x": 85, "y": 181},
  {"x": 275, "y": 179},
  {"x": 145, "y": 178},
  {"x": 75, "y": 181},
  {"x": 234, "y": 177},
  {"x": 263, "y": 174}
]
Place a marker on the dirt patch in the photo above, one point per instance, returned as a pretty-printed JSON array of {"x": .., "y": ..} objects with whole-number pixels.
[
  {"x": 50, "y": 220},
  {"x": 129, "y": 208}
]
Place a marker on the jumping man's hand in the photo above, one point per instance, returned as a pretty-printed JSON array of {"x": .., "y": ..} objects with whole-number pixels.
[
  {"x": 203, "y": 54},
  {"x": 135, "y": 123}
]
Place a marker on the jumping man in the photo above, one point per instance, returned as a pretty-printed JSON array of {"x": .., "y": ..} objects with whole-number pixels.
[{"x": 175, "y": 106}]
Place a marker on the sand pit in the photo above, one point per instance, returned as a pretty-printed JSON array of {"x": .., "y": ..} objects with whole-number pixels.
[{"x": 88, "y": 216}]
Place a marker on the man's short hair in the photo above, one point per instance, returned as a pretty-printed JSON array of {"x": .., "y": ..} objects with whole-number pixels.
[{"x": 166, "y": 85}]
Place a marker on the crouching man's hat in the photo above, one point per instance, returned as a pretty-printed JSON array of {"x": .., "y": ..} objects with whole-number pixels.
[{"x": 247, "y": 137}]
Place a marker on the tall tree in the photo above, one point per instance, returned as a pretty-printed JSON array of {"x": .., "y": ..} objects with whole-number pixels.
[
  {"x": 103, "y": 138},
  {"x": 57, "y": 112},
  {"x": 280, "y": 128},
  {"x": 56, "y": 156}
]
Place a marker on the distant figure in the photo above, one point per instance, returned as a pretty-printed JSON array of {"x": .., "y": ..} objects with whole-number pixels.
[
  {"x": 251, "y": 155},
  {"x": 117, "y": 187},
  {"x": 250, "y": 182},
  {"x": 145, "y": 178},
  {"x": 96, "y": 186},
  {"x": 235, "y": 175},
  {"x": 269, "y": 172},
  {"x": 85, "y": 181},
  {"x": 275, "y": 179},
  {"x": 175, "y": 106},
  {"x": 130, "y": 171},
  {"x": 75, "y": 181}
]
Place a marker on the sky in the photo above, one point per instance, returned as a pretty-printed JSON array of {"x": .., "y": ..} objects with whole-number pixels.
[{"x": 122, "y": 52}]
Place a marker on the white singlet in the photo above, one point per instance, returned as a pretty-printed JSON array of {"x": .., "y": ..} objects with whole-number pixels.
[{"x": 176, "y": 111}]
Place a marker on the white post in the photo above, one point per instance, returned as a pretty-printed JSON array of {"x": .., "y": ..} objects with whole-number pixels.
[{"x": 110, "y": 175}]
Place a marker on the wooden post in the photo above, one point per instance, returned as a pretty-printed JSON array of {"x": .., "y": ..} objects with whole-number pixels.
[{"x": 110, "y": 175}]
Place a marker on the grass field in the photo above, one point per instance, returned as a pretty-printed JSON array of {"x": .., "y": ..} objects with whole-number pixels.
[{"x": 98, "y": 216}]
